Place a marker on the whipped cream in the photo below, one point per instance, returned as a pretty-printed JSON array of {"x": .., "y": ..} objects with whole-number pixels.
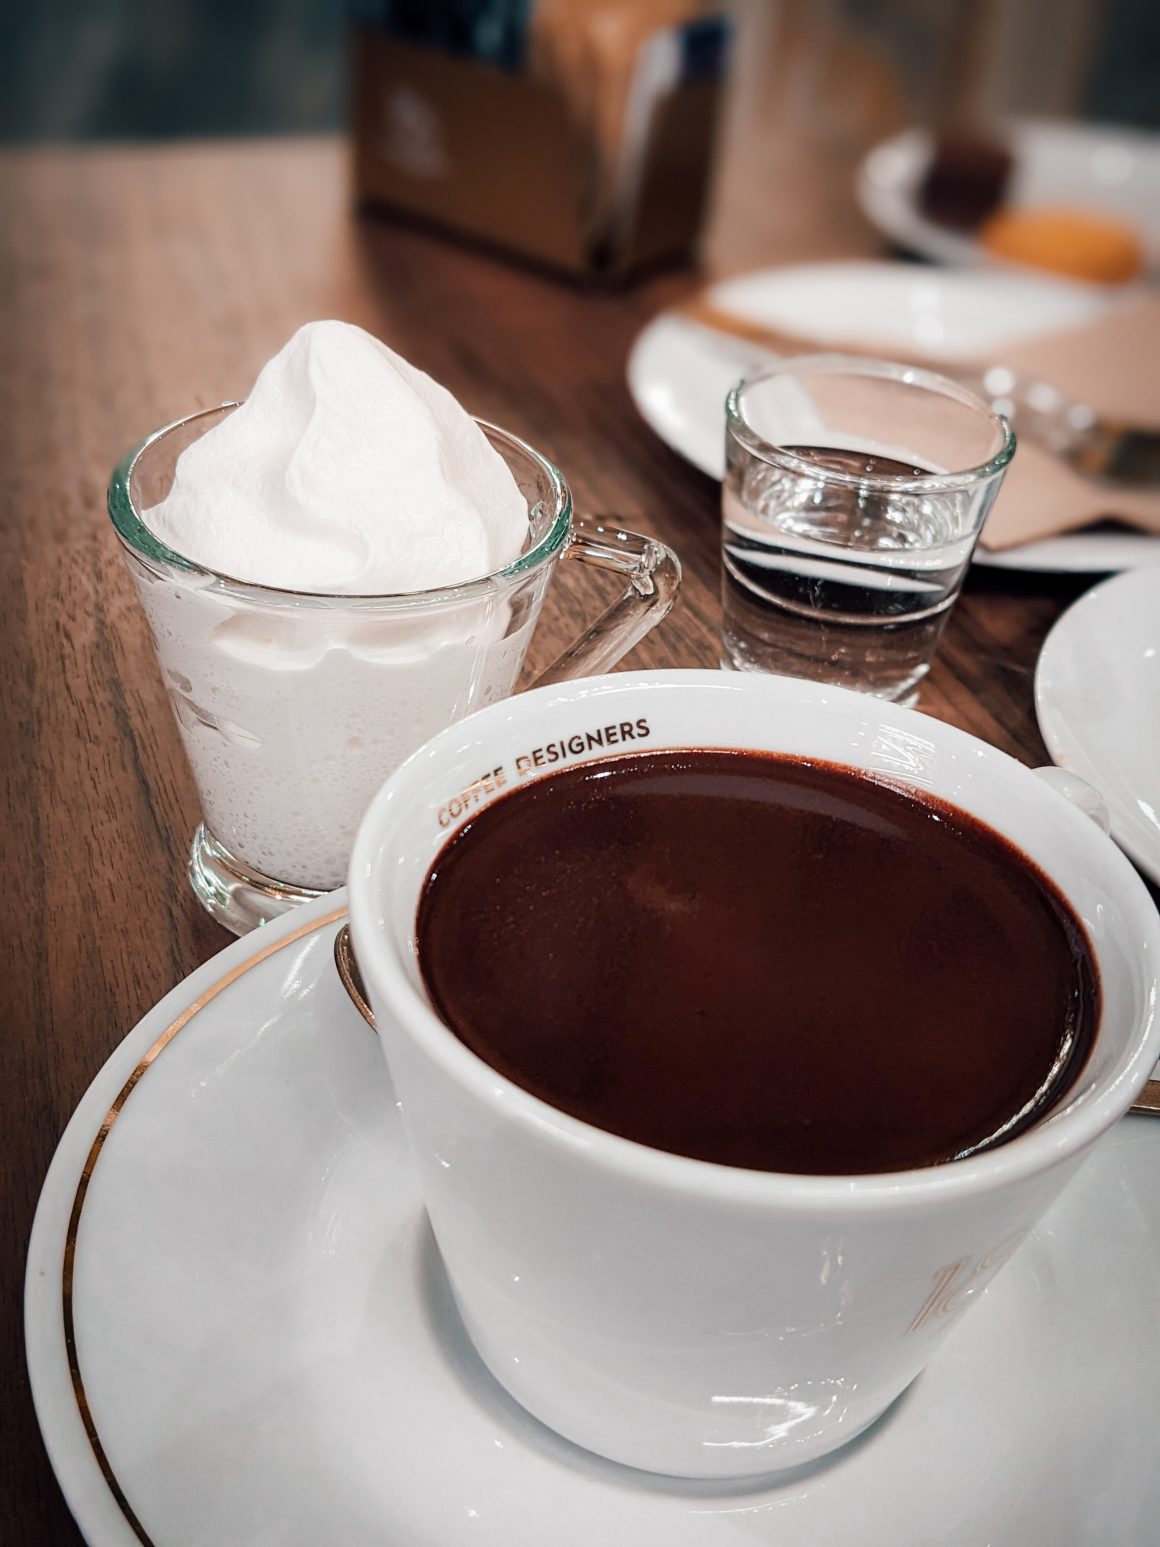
[
  {"x": 350, "y": 475},
  {"x": 346, "y": 471}
]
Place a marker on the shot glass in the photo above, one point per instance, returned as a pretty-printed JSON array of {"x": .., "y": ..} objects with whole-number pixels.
[
  {"x": 294, "y": 708},
  {"x": 855, "y": 491}
]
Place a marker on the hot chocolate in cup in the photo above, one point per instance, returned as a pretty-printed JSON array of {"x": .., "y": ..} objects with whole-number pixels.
[{"x": 676, "y": 1314}]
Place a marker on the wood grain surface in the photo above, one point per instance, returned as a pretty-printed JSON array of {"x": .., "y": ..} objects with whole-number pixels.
[{"x": 138, "y": 284}]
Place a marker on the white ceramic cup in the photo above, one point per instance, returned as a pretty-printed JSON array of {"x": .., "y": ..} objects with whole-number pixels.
[{"x": 668, "y": 1313}]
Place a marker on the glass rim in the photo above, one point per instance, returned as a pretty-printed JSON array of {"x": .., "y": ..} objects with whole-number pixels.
[
  {"x": 138, "y": 539},
  {"x": 883, "y": 370}
]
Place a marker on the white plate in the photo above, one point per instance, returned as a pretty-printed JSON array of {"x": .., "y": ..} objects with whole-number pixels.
[
  {"x": 1082, "y": 166},
  {"x": 679, "y": 373},
  {"x": 266, "y": 1346},
  {"x": 1097, "y": 696}
]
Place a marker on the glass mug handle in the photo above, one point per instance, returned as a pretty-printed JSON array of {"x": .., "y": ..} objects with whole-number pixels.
[{"x": 653, "y": 575}]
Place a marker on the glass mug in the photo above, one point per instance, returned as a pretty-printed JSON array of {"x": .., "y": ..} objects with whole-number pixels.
[{"x": 294, "y": 707}]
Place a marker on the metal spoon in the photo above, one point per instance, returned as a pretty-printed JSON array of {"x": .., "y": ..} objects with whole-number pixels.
[
  {"x": 1122, "y": 454},
  {"x": 1147, "y": 1102},
  {"x": 344, "y": 960}
]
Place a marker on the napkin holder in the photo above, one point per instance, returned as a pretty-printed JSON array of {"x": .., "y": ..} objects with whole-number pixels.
[{"x": 499, "y": 154}]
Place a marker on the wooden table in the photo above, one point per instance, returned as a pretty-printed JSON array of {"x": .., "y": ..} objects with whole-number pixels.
[{"x": 139, "y": 284}]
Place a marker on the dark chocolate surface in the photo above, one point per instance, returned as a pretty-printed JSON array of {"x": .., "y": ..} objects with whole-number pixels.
[{"x": 758, "y": 961}]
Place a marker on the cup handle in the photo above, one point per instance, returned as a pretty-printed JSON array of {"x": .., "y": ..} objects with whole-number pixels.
[
  {"x": 653, "y": 575},
  {"x": 1079, "y": 792}
]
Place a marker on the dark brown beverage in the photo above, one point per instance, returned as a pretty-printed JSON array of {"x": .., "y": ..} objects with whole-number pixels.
[{"x": 759, "y": 961}]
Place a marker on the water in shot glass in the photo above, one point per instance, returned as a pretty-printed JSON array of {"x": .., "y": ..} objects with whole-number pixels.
[{"x": 855, "y": 491}]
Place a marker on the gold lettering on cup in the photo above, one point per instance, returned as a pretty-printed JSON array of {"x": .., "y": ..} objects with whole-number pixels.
[
  {"x": 599, "y": 739},
  {"x": 959, "y": 1282},
  {"x": 468, "y": 799}
]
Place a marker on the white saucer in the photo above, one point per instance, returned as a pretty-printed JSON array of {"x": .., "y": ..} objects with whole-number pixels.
[
  {"x": 1083, "y": 166},
  {"x": 1097, "y": 696},
  {"x": 679, "y": 372},
  {"x": 267, "y": 1351}
]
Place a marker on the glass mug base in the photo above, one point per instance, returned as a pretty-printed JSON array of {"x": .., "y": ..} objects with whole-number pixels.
[{"x": 232, "y": 893}]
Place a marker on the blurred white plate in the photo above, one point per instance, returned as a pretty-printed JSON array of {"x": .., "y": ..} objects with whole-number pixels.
[
  {"x": 1082, "y": 166},
  {"x": 679, "y": 372},
  {"x": 239, "y": 1330},
  {"x": 1097, "y": 696}
]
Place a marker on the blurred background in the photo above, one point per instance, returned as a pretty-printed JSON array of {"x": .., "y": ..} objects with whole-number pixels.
[{"x": 160, "y": 69}]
